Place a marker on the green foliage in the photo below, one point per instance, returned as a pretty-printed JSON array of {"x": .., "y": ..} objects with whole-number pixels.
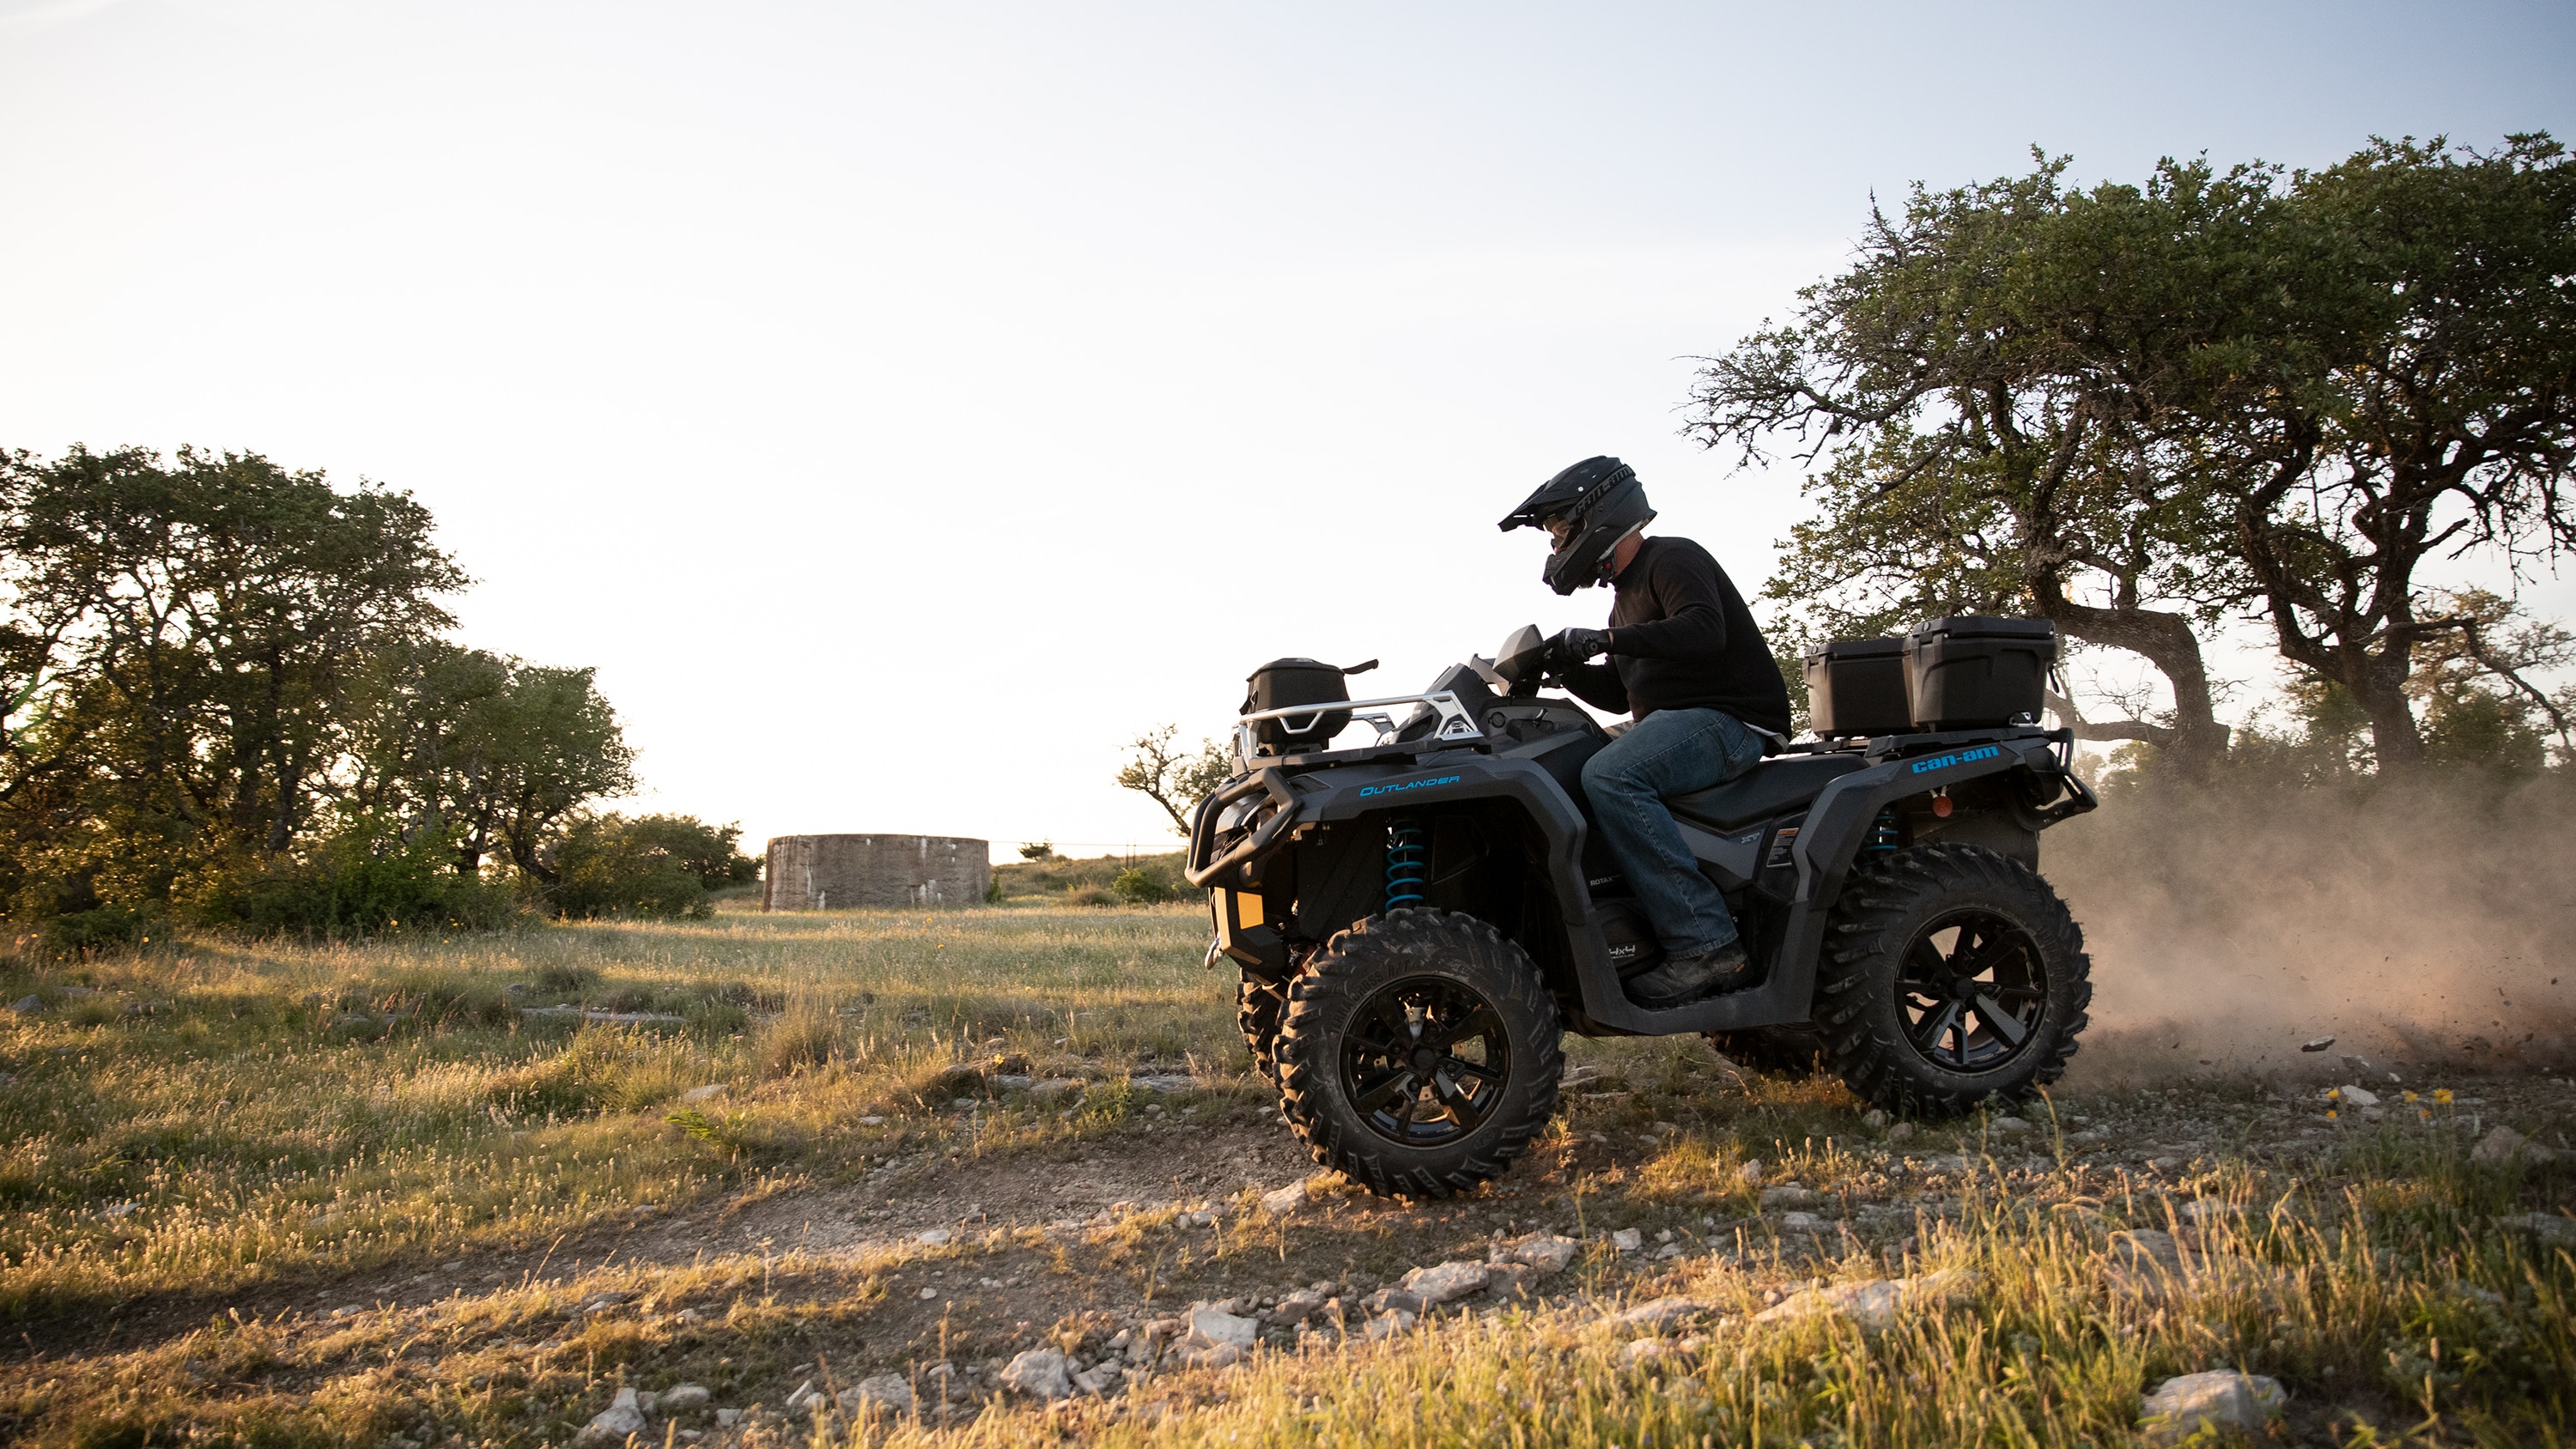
[
  {"x": 1160, "y": 772},
  {"x": 1038, "y": 850},
  {"x": 227, "y": 702},
  {"x": 650, "y": 866},
  {"x": 1086, "y": 881},
  {"x": 2139, "y": 410},
  {"x": 1138, "y": 886}
]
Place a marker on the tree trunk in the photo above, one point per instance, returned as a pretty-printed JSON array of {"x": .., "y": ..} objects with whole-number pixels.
[
  {"x": 2166, "y": 641},
  {"x": 2379, "y": 684}
]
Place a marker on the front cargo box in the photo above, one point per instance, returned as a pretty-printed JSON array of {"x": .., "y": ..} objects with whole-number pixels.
[{"x": 1857, "y": 687}]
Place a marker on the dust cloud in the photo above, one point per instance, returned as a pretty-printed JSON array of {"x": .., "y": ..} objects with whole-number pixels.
[{"x": 2422, "y": 927}]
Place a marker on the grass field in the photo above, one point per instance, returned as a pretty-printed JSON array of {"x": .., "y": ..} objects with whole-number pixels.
[{"x": 405, "y": 1193}]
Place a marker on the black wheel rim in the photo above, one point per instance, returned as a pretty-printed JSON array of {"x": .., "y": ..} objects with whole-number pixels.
[
  {"x": 1425, "y": 1061},
  {"x": 1971, "y": 989}
]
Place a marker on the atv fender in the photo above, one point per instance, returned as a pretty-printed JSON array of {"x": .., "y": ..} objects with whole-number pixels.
[{"x": 1827, "y": 842}]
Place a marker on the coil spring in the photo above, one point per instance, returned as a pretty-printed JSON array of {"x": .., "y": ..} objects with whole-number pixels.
[
  {"x": 1886, "y": 833},
  {"x": 1404, "y": 873}
]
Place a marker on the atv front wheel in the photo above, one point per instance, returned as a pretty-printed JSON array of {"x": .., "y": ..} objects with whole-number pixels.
[
  {"x": 1951, "y": 973},
  {"x": 1419, "y": 1053},
  {"x": 1256, "y": 1015}
]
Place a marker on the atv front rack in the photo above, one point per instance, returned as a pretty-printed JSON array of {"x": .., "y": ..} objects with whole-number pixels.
[{"x": 1452, "y": 719}]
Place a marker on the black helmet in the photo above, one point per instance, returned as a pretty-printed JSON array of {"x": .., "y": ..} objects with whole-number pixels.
[{"x": 1601, "y": 502}]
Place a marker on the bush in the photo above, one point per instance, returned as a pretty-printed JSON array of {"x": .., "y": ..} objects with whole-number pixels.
[
  {"x": 655, "y": 866},
  {"x": 362, "y": 879},
  {"x": 1139, "y": 886}
]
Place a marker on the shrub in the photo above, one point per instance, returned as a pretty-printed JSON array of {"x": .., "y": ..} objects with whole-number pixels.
[
  {"x": 1139, "y": 886},
  {"x": 362, "y": 879},
  {"x": 609, "y": 865}
]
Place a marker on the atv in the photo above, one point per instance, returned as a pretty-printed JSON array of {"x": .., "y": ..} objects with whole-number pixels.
[{"x": 1418, "y": 919}]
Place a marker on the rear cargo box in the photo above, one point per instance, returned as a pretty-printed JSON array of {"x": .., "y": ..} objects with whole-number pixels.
[
  {"x": 1977, "y": 673},
  {"x": 1857, "y": 687}
]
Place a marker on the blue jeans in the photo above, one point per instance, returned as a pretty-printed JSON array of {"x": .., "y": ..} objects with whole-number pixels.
[{"x": 1669, "y": 752}]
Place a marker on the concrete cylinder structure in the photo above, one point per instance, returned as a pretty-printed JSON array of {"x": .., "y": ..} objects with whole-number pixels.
[{"x": 827, "y": 872}]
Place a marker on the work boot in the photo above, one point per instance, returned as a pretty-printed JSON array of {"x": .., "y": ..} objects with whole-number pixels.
[{"x": 1684, "y": 979}]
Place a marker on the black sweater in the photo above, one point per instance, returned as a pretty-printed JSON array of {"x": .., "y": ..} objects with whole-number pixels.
[{"x": 1681, "y": 638}]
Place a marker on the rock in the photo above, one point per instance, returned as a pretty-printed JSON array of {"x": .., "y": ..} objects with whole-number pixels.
[
  {"x": 727, "y": 1418},
  {"x": 1392, "y": 1300},
  {"x": 1900, "y": 1131},
  {"x": 1446, "y": 1282},
  {"x": 1299, "y": 1306},
  {"x": 1801, "y": 1223},
  {"x": 75, "y": 993},
  {"x": 2203, "y": 1211},
  {"x": 708, "y": 1092},
  {"x": 1280, "y": 1202},
  {"x": 1876, "y": 1303},
  {"x": 1100, "y": 1379},
  {"x": 1750, "y": 1174},
  {"x": 1628, "y": 1240},
  {"x": 683, "y": 1399},
  {"x": 1545, "y": 1252},
  {"x": 887, "y": 1392},
  {"x": 1641, "y": 1350},
  {"x": 804, "y": 1397},
  {"x": 2009, "y": 1124},
  {"x": 1876, "y": 1119},
  {"x": 1167, "y": 1085},
  {"x": 2499, "y": 1148},
  {"x": 934, "y": 1237},
  {"x": 613, "y": 1424},
  {"x": 2355, "y": 1096},
  {"x": 1787, "y": 1195},
  {"x": 2320, "y": 1044},
  {"x": 2221, "y": 1400},
  {"x": 1208, "y": 1324},
  {"x": 1050, "y": 1088},
  {"x": 1038, "y": 1373},
  {"x": 1013, "y": 1082},
  {"x": 1871, "y": 1305},
  {"x": 1386, "y": 1324},
  {"x": 1661, "y": 1315},
  {"x": 28, "y": 1005}
]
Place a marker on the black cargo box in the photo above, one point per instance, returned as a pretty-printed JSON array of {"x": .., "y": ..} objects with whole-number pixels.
[
  {"x": 1972, "y": 672},
  {"x": 1857, "y": 687},
  {"x": 1282, "y": 683}
]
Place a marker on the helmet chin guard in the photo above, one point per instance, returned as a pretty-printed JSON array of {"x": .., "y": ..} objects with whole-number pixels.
[{"x": 1602, "y": 503}]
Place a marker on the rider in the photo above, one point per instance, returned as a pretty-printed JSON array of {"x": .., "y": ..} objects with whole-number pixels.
[{"x": 1687, "y": 660}]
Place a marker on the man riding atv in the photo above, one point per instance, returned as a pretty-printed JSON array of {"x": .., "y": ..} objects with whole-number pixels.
[{"x": 1689, "y": 664}]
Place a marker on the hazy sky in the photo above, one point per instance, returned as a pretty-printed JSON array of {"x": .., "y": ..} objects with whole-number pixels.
[{"x": 903, "y": 406}]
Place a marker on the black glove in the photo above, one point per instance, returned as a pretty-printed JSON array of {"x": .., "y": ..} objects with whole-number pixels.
[{"x": 1571, "y": 647}]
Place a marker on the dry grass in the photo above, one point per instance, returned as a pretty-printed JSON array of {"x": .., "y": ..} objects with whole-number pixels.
[{"x": 227, "y": 1124}]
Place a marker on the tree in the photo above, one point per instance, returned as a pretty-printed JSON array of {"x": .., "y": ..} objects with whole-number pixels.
[
  {"x": 188, "y": 635},
  {"x": 1993, "y": 366},
  {"x": 1171, "y": 779},
  {"x": 2419, "y": 402},
  {"x": 2137, "y": 410},
  {"x": 224, "y": 680}
]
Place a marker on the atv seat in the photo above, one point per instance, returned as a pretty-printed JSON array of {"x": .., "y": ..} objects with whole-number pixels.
[{"x": 1771, "y": 787}]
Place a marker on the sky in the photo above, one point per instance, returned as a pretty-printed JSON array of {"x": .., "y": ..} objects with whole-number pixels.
[{"x": 903, "y": 407}]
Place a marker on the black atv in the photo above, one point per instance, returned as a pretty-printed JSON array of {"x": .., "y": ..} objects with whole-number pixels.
[{"x": 1418, "y": 919}]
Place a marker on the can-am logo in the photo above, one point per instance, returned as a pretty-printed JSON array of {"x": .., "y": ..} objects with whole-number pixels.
[
  {"x": 1943, "y": 762},
  {"x": 1366, "y": 790}
]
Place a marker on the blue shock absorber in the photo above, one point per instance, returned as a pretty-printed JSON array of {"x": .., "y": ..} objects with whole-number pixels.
[
  {"x": 1404, "y": 872},
  {"x": 1886, "y": 833}
]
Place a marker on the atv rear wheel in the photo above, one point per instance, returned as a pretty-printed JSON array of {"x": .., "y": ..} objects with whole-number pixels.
[
  {"x": 1257, "y": 1009},
  {"x": 1783, "y": 1051},
  {"x": 1951, "y": 974},
  {"x": 1419, "y": 1053}
]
